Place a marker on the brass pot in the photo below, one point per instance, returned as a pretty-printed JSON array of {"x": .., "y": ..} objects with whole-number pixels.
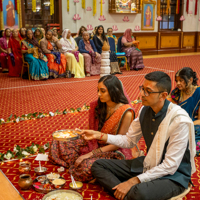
[
  {"x": 25, "y": 181},
  {"x": 24, "y": 167}
]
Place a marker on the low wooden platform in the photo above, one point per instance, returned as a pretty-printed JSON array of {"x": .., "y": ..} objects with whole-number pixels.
[{"x": 7, "y": 189}]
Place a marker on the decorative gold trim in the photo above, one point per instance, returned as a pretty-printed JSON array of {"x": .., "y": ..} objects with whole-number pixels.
[
  {"x": 153, "y": 21},
  {"x": 158, "y": 40}
]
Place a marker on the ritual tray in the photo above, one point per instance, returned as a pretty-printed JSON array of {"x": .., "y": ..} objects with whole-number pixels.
[
  {"x": 62, "y": 191},
  {"x": 39, "y": 187},
  {"x": 70, "y": 135}
]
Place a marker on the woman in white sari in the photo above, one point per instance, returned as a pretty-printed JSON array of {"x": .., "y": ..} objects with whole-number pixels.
[{"x": 75, "y": 61}]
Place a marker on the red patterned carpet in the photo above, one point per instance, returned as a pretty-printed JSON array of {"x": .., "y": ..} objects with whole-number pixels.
[{"x": 20, "y": 97}]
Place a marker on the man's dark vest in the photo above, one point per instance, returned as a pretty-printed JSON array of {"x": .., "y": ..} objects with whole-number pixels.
[{"x": 183, "y": 173}]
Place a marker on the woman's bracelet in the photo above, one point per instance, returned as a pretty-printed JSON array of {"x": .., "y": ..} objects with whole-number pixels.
[
  {"x": 102, "y": 134},
  {"x": 96, "y": 151}
]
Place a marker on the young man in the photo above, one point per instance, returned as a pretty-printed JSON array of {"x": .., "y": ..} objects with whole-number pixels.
[{"x": 168, "y": 131}]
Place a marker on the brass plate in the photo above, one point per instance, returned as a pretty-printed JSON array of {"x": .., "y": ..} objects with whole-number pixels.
[
  {"x": 76, "y": 135},
  {"x": 65, "y": 191}
]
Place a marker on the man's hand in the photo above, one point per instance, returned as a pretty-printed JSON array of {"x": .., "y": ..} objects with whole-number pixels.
[
  {"x": 123, "y": 188},
  {"x": 90, "y": 134},
  {"x": 81, "y": 158}
]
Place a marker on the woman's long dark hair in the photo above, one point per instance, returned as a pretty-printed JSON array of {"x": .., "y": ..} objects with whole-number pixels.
[
  {"x": 115, "y": 90},
  {"x": 186, "y": 73},
  {"x": 103, "y": 34},
  {"x": 79, "y": 32}
]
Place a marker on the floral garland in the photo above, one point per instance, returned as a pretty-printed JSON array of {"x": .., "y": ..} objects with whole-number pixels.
[
  {"x": 83, "y": 4},
  {"x": 19, "y": 153},
  {"x": 37, "y": 115},
  {"x": 67, "y": 5},
  {"x": 94, "y": 7}
]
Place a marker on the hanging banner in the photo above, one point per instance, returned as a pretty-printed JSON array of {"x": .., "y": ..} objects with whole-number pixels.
[
  {"x": 51, "y": 7},
  {"x": 196, "y": 5},
  {"x": 83, "y": 4},
  {"x": 34, "y": 5},
  {"x": 158, "y": 8},
  {"x": 101, "y": 8},
  {"x": 94, "y": 7},
  {"x": 177, "y": 6},
  {"x": 190, "y": 7}
]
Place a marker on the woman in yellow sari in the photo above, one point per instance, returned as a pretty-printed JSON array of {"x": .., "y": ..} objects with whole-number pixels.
[{"x": 75, "y": 61}]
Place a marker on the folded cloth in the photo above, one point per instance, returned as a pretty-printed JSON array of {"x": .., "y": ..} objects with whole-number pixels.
[
  {"x": 76, "y": 53},
  {"x": 12, "y": 59},
  {"x": 57, "y": 55},
  {"x": 93, "y": 55}
]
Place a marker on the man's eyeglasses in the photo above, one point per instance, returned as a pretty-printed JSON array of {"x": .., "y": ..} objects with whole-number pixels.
[{"x": 146, "y": 92}]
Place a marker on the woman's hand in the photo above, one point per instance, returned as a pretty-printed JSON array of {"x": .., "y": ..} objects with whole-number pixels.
[
  {"x": 41, "y": 56},
  {"x": 90, "y": 134},
  {"x": 96, "y": 54},
  {"x": 55, "y": 39},
  {"x": 81, "y": 158}
]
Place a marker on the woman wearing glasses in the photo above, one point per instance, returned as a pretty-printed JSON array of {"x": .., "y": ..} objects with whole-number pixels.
[{"x": 187, "y": 95}]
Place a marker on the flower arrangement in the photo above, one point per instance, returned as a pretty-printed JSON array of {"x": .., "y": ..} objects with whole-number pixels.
[{"x": 19, "y": 152}]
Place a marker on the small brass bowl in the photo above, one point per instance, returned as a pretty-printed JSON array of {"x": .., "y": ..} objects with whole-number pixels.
[
  {"x": 51, "y": 179},
  {"x": 60, "y": 186},
  {"x": 78, "y": 183},
  {"x": 43, "y": 170}
]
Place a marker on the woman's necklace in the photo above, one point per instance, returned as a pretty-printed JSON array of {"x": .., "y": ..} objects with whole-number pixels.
[
  {"x": 183, "y": 98},
  {"x": 110, "y": 108}
]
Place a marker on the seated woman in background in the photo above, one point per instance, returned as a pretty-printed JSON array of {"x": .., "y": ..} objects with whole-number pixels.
[
  {"x": 110, "y": 114},
  {"x": 38, "y": 34},
  {"x": 80, "y": 35},
  {"x": 34, "y": 56},
  {"x": 15, "y": 54},
  {"x": 43, "y": 32},
  {"x": 187, "y": 95},
  {"x": 99, "y": 39},
  {"x": 75, "y": 61},
  {"x": 133, "y": 54},
  {"x": 93, "y": 32},
  {"x": 92, "y": 59},
  {"x": 110, "y": 34},
  {"x": 22, "y": 32},
  {"x": 55, "y": 33},
  {"x": 51, "y": 46},
  {"x": 4, "y": 50}
]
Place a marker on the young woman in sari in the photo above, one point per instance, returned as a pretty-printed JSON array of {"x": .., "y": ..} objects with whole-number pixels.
[
  {"x": 110, "y": 114},
  {"x": 22, "y": 32},
  {"x": 15, "y": 54},
  {"x": 80, "y": 35},
  {"x": 99, "y": 39},
  {"x": 187, "y": 95},
  {"x": 133, "y": 54},
  {"x": 75, "y": 62},
  {"x": 92, "y": 59},
  {"x": 38, "y": 34},
  {"x": 110, "y": 34},
  {"x": 38, "y": 68},
  {"x": 43, "y": 32},
  {"x": 51, "y": 46},
  {"x": 4, "y": 50},
  {"x": 2, "y": 33}
]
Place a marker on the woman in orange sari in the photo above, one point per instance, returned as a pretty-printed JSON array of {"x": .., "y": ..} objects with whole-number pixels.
[
  {"x": 51, "y": 46},
  {"x": 110, "y": 114}
]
